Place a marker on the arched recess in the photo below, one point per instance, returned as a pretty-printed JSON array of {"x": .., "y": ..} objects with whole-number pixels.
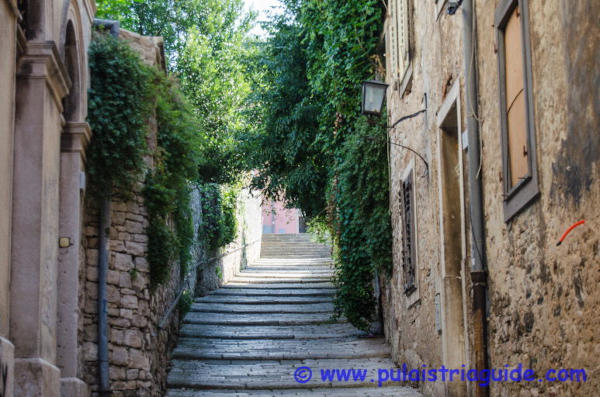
[
  {"x": 74, "y": 139},
  {"x": 72, "y": 102}
]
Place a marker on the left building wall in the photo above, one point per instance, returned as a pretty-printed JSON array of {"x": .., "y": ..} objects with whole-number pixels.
[
  {"x": 42, "y": 140},
  {"x": 8, "y": 48}
]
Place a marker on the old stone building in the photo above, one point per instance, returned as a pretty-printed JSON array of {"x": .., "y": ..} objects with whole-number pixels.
[
  {"x": 507, "y": 157},
  {"x": 43, "y": 135}
]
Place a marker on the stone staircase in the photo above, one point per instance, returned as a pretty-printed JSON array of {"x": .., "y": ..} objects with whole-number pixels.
[{"x": 249, "y": 337}]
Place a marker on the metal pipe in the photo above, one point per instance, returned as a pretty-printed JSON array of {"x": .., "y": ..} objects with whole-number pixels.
[
  {"x": 103, "y": 238},
  {"x": 478, "y": 255}
]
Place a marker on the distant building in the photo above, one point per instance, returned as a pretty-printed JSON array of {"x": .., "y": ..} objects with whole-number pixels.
[{"x": 277, "y": 219}]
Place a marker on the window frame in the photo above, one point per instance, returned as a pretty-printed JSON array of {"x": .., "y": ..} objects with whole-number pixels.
[
  {"x": 412, "y": 292},
  {"x": 516, "y": 197}
]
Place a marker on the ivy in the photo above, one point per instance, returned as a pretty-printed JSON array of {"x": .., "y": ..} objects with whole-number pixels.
[
  {"x": 119, "y": 105},
  {"x": 219, "y": 222},
  {"x": 168, "y": 185}
]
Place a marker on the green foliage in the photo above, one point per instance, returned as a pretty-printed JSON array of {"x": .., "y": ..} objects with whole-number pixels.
[
  {"x": 219, "y": 221},
  {"x": 207, "y": 45},
  {"x": 316, "y": 149},
  {"x": 319, "y": 230},
  {"x": 167, "y": 187},
  {"x": 185, "y": 303},
  {"x": 119, "y": 105},
  {"x": 289, "y": 160}
]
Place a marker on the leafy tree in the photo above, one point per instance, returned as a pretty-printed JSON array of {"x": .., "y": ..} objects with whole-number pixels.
[{"x": 314, "y": 147}]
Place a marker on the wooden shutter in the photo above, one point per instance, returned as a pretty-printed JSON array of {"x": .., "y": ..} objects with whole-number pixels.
[
  {"x": 516, "y": 111},
  {"x": 408, "y": 235},
  {"x": 401, "y": 19}
]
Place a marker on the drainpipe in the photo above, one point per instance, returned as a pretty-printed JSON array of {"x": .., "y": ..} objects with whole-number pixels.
[
  {"x": 104, "y": 232},
  {"x": 103, "y": 252},
  {"x": 478, "y": 255}
]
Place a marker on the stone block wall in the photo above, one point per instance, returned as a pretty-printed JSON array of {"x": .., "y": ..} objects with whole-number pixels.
[{"x": 138, "y": 349}]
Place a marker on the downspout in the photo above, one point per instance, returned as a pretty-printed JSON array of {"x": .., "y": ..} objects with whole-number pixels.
[
  {"x": 103, "y": 252},
  {"x": 103, "y": 238},
  {"x": 478, "y": 255}
]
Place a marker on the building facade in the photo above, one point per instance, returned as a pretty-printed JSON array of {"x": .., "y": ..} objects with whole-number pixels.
[
  {"x": 48, "y": 227},
  {"x": 505, "y": 123},
  {"x": 43, "y": 134}
]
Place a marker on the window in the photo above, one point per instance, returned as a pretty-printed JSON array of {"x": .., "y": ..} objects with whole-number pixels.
[
  {"x": 516, "y": 107},
  {"x": 399, "y": 35},
  {"x": 408, "y": 234}
]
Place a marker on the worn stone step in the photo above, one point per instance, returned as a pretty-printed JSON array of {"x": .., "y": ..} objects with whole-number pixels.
[
  {"x": 394, "y": 391},
  {"x": 323, "y": 331},
  {"x": 257, "y": 280},
  {"x": 258, "y": 319},
  {"x": 297, "y": 272},
  {"x": 250, "y": 273},
  {"x": 263, "y": 300},
  {"x": 274, "y": 292},
  {"x": 222, "y": 349},
  {"x": 262, "y": 308},
  {"x": 271, "y": 374},
  {"x": 284, "y": 286}
]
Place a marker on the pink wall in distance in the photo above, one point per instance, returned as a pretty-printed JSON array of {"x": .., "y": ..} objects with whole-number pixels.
[{"x": 278, "y": 219}]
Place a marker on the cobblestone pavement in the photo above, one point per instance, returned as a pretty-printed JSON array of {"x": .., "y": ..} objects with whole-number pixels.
[{"x": 249, "y": 337}]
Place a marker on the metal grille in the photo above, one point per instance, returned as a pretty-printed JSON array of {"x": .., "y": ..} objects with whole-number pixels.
[{"x": 408, "y": 235}]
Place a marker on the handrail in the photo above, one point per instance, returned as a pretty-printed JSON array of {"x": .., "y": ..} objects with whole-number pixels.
[{"x": 186, "y": 281}]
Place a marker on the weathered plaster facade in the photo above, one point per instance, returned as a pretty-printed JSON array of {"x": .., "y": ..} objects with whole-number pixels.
[{"x": 542, "y": 299}]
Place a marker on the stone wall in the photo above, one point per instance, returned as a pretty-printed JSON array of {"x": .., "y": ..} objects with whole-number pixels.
[
  {"x": 138, "y": 347},
  {"x": 542, "y": 298},
  {"x": 235, "y": 256},
  {"x": 412, "y": 322}
]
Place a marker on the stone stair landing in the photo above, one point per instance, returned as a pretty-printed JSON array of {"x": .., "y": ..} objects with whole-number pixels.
[{"x": 248, "y": 337}]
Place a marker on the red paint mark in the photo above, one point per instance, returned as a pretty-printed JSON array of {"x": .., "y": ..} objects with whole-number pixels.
[{"x": 573, "y": 226}]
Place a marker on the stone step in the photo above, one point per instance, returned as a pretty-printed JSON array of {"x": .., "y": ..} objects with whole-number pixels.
[
  {"x": 274, "y": 292},
  {"x": 262, "y": 308},
  {"x": 297, "y": 261},
  {"x": 323, "y": 331},
  {"x": 299, "y": 273},
  {"x": 392, "y": 391},
  {"x": 282, "y": 280},
  {"x": 258, "y": 319},
  {"x": 285, "y": 286},
  {"x": 264, "y": 300},
  {"x": 222, "y": 349},
  {"x": 276, "y": 374}
]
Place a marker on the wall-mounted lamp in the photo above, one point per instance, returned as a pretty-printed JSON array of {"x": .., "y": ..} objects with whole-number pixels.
[{"x": 373, "y": 95}]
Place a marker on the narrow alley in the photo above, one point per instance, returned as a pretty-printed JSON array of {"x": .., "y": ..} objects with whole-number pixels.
[{"x": 252, "y": 335}]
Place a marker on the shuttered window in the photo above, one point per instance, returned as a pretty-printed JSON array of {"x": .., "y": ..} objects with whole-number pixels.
[
  {"x": 399, "y": 28},
  {"x": 515, "y": 99},
  {"x": 516, "y": 106},
  {"x": 408, "y": 234}
]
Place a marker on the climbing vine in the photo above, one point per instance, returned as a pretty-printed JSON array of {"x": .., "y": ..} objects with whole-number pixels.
[
  {"x": 119, "y": 105},
  {"x": 219, "y": 221},
  {"x": 168, "y": 184}
]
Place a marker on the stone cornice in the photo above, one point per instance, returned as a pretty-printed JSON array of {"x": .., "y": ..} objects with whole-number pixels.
[
  {"x": 42, "y": 61},
  {"x": 75, "y": 137}
]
